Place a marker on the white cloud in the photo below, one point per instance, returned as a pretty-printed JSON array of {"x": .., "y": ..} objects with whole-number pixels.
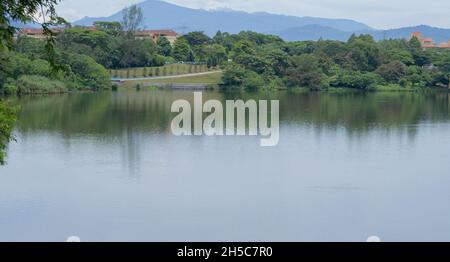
[{"x": 376, "y": 13}]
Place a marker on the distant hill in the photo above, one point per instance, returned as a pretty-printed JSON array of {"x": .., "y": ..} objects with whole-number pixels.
[
  {"x": 27, "y": 25},
  {"x": 159, "y": 14},
  {"x": 313, "y": 32},
  {"x": 439, "y": 35}
]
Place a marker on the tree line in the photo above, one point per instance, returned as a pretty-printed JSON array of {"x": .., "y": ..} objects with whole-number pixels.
[
  {"x": 360, "y": 63},
  {"x": 249, "y": 60},
  {"x": 252, "y": 60},
  {"x": 79, "y": 58}
]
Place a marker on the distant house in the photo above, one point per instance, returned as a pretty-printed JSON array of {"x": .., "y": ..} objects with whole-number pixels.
[
  {"x": 445, "y": 45},
  {"x": 32, "y": 32},
  {"x": 428, "y": 42},
  {"x": 37, "y": 33},
  {"x": 155, "y": 35}
]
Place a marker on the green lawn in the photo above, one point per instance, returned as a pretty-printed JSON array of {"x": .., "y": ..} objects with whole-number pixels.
[
  {"x": 210, "y": 79},
  {"x": 167, "y": 70}
]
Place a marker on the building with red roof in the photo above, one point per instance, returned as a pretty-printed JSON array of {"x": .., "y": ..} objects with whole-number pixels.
[
  {"x": 416, "y": 34},
  {"x": 155, "y": 35},
  {"x": 428, "y": 42},
  {"x": 445, "y": 45}
]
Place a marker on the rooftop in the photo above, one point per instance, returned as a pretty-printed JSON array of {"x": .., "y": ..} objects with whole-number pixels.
[
  {"x": 159, "y": 32},
  {"x": 162, "y": 32},
  {"x": 428, "y": 42}
]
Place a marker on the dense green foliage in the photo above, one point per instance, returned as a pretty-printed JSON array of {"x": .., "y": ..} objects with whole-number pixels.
[
  {"x": 251, "y": 60},
  {"x": 34, "y": 84},
  {"x": 112, "y": 46},
  {"x": 97, "y": 44},
  {"x": 115, "y": 49},
  {"x": 164, "y": 47},
  {"x": 25, "y": 70},
  {"x": 7, "y": 119},
  {"x": 22, "y": 11},
  {"x": 359, "y": 63}
]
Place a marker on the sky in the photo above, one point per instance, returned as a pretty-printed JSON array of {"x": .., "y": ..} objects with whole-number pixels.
[{"x": 380, "y": 14}]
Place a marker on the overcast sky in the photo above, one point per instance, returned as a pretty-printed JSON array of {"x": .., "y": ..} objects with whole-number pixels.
[{"x": 376, "y": 13}]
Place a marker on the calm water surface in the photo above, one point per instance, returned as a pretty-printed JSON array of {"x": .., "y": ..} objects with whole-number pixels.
[{"x": 105, "y": 167}]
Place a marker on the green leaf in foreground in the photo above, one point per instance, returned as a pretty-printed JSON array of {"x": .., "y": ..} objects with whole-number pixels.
[{"x": 7, "y": 119}]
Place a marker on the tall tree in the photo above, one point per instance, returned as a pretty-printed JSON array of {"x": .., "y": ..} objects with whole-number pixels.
[
  {"x": 197, "y": 38},
  {"x": 97, "y": 44},
  {"x": 112, "y": 28},
  {"x": 414, "y": 42},
  {"x": 164, "y": 46},
  {"x": 392, "y": 71},
  {"x": 136, "y": 53},
  {"x": 182, "y": 51},
  {"x": 304, "y": 71},
  {"x": 132, "y": 19}
]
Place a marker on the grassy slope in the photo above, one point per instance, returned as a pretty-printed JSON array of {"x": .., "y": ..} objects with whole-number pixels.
[
  {"x": 211, "y": 79},
  {"x": 174, "y": 69}
]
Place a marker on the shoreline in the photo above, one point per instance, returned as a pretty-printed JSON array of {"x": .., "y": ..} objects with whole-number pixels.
[
  {"x": 151, "y": 86},
  {"x": 209, "y": 87}
]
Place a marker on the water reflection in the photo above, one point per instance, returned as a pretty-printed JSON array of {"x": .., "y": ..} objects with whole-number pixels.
[
  {"x": 104, "y": 166},
  {"x": 128, "y": 118},
  {"x": 117, "y": 113}
]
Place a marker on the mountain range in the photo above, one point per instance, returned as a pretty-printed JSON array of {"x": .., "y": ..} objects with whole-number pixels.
[
  {"x": 160, "y": 14},
  {"x": 26, "y": 25},
  {"x": 316, "y": 32}
]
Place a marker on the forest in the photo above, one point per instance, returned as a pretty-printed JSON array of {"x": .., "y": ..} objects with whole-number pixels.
[{"x": 248, "y": 60}]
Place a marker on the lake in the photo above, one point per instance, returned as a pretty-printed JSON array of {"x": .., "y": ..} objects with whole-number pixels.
[{"x": 105, "y": 167}]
